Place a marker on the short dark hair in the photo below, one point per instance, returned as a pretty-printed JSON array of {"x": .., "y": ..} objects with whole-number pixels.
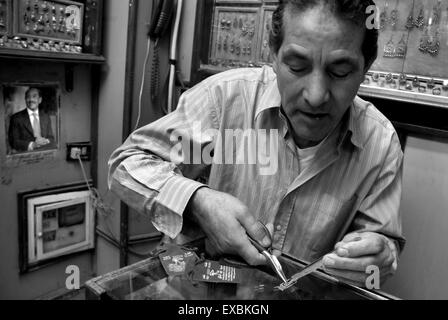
[
  {"x": 349, "y": 10},
  {"x": 33, "y": 88}
]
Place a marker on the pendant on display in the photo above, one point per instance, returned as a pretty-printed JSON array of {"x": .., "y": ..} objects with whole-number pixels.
[
  {"x": 393, "y": 84},
  {"x": 434, "y": 45},
  {"x": 232, "y": 46},
  {"x": 224, "y": 46},
  {"x": 437, "y": 92},
  {"x": 416, "y": 82},
  {"x": 431, "y": 84},
  {"x": 402, "y": 47},
  {"x": 437, "y": 10},
  {"x": 402, "y": 78},
  {"x": 389, "y": 48},
  {"x": 422, "y": 89},
  {"x": 423, "y": 46},
  {"x": 420, "y": 20},
  {"x": 394, "y": 14},
  {"x": 383, "y": 17},
  {"x": 410, "y": 21},
  {"x": 445, "y": 85},
  {"x": 389, "y": 78}
]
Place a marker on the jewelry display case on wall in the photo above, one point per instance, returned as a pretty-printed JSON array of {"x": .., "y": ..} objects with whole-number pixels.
[
  {"x": 58, "y": 29},
  {"x": 412, "y": 55}
]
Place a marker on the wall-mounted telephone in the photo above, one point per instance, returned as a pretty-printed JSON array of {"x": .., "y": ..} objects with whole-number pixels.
[
  {"x": 160, "y": 21},
  {"x": 162, "y": 14},
  {"x": 161, "y": 17}
]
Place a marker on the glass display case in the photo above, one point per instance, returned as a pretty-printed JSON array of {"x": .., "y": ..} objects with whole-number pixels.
[{"x": 148, "y": 280}]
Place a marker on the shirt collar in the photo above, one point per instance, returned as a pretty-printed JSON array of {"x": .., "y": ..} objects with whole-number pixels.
[
  {"x": 271, "y": 99},
  {"x": 31, "y": 113}
]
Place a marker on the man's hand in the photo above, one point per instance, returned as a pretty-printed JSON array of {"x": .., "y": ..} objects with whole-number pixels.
[
  {"x": 226, "y": 221},
  {"x": 351, "y": 259},
  {"x": 40, "y": 142}
]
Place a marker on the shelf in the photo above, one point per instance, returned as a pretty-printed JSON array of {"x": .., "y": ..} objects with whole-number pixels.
[
  {"x": 404, "y": 96},
  {"x": 86, "y": 58}
]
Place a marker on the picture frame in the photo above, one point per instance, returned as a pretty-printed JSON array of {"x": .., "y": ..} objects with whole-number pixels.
[
  {"x": 54, "y": 223},
  {"x": 19, "y": 124}
]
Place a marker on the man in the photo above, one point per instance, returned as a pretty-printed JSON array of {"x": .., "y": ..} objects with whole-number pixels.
[
  {"x": 338, "y": 181},
  {"x": 30, "y": 129}
]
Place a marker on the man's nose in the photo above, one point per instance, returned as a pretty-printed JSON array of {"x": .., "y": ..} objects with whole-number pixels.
[{"x": 316, "y": 91}]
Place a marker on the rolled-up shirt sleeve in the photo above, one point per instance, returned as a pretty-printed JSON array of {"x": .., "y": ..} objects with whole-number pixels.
[
  {"x": 379, "y": 211},
  {"x": 154, "y": 171}
]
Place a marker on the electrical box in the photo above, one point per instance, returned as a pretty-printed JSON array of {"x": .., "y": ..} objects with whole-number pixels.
[
  {"x": 79, "y": 150},
  {"x": 53, "y": 223}
]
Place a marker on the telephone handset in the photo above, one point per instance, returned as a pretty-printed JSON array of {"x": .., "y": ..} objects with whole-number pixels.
[{"x": 161, "y": 18}]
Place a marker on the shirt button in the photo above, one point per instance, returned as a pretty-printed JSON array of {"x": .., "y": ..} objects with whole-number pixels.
[{"x": 279, "y": 227}]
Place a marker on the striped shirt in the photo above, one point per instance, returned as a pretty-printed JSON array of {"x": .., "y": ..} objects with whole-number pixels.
[{"x": 352, "y": 184}]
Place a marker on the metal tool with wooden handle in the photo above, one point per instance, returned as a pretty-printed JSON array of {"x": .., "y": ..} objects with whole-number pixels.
[{"x": 273, "y": 261}]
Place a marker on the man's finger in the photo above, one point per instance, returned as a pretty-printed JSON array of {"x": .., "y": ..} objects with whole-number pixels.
[
  {"x": 256, "y": 230},
  {"x": 359, "y": 264},
  {"x": 251, "y": 255},
  {"x": 365, "y": 246}
]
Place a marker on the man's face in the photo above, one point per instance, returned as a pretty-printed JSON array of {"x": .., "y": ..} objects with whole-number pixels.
[
  {"x": 319, "y": 69},
  {"x": 33, "y": 99}
]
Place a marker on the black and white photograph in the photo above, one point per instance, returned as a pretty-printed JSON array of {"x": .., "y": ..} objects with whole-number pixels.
[
  {"x": 32, "y": 117},
  {"x": 256, "y": 153}
]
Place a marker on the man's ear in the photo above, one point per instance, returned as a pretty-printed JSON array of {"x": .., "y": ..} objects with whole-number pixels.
[
  {"x": 40, "y": 100},
  {"x": 275, "y": 65}
]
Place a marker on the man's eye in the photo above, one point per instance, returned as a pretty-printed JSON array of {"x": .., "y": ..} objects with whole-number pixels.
[
  {"x": 340, "y": 74},
  {"x": 297, "y": 69}
]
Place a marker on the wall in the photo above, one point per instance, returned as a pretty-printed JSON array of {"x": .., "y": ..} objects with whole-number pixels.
[
  {"x": 422, "y": 268},
  {"x": 110, "y": 121},
  {"x": 75, "y": 127},
  {"x": 186, "y": 37},
  {"x": 149, "y": 111}
]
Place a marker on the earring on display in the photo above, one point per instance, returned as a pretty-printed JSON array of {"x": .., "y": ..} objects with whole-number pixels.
[
  {"x": 402, "y": 48},
  {"x": 415, "y": 82},
  {"x": 424, "y": 41},
  {"x": 383, "y": 16},
  {"x": 389, "y": 48},
  {"x": 431, "y": 83},
  {"x": 402, "y": 78},
  {"x": 434, "y": 44},
  {"x": 389, "y": 78},
  {"x": 419, "y": 22},
  {"x": 394, "y": 14},
  {"x": 436, "y": 12},
  {"x": 219, "y": 44},
  {"x": 410, "y": 22}
]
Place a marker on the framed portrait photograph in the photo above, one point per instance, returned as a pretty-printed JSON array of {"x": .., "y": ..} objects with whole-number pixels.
[{"x": 31, "y": 117}]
